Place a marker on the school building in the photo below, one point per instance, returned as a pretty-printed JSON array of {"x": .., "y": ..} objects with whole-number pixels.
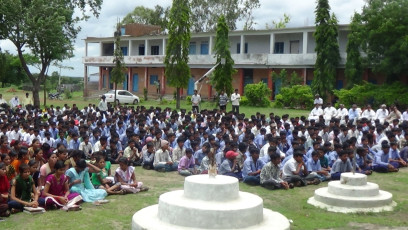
[{"x": 257, "y": 53}]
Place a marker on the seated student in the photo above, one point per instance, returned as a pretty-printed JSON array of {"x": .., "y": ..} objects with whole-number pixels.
[
  {"x": 125, "y": 175},
  {"x": 21, "y": 189},
  {"x": 333, "y": 155},
  {"x": 341, "y": 165},
  {"x": 200, "y": 154},
  {"x": 4, "y": 191},
  {"x": 102, "y": 180},
  {"x": 148, "y": 156},
  {"x": 132, "y": 154},
  {"x": 47, "y": 168},
  {"x": 314, "y": 167},
  {"x": 295, "y": 172},
  {"x": 162, "y": 161},
  {"x": 324, "y": 160},
  {"x": 80, "y": 182},
  {"x": 381, "y": 161},
  {"x": 270, "y": 174},
  {"x": 57, "y": 187},
  {"x": 34, "y": 171},
  {"x": 86, "y": 147},
  {"x": 271, "y": 150},
  {"x": 252, "y": 168},
  {"x": 179, "y": 151},
  {"x": 395, "y": 157},
  {"x": 186, "y": 164},
  {"x": 363, "y": 161},
  {"x": 229, "y": 166},
  {"x": 10, "y": 171},
  {"x": 112, "y": 153},
  {"x": 206, "y": 162},
  {"x": 23, "y": 158}
]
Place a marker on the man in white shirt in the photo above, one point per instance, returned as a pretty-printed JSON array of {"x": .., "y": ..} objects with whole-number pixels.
[
  {"x": 341, "y": 112},
  {"x": 368, "y": 113},
  {"x": 2, "y": 101},
  {"x": 315, "y": 113},
  {"x": 318, "y": 100},
  {"x": 235, "y": 99},
  {"x": 195, "y": 102},
  {"x": 14, "y": 102},
  {"x": 382, "y": 113},
  {"x": 329, "y": 113},
  {"x": 405, "y": 115}
]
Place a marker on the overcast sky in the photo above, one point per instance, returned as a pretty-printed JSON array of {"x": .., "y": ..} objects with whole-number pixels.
[{"x": 300, "y": 11}]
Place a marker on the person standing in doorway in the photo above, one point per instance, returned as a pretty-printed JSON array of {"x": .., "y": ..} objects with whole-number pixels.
[
  {"x": 195, "y": 102},
  {"x": 235, "y": 99}
]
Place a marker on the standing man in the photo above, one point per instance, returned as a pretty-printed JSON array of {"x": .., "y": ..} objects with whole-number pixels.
[
  {"x": 27, "y": 101},
  {"x": 235, "y": 99},
  {"x": 103, "y": 106},
  {"x": 223, "y": 100},
  {"x": 195, "y": 102},
  {"x": 318, "y": 100}
]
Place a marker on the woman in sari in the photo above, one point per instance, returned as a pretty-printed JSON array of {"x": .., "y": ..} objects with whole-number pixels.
[
  {"x": 47, "y": 169},
  {"x": 80, "y": 182}
]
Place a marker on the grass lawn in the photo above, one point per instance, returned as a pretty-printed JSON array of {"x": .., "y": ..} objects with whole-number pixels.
[
  {"x": 81, "y": 103},
  {"x": 292, "y": 203}
]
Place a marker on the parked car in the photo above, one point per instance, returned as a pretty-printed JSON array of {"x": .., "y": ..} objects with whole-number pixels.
[{"x": 122, "y": 97}]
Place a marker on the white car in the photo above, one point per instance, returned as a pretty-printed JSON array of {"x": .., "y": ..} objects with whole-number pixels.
[{"x": 122, "y": 97}]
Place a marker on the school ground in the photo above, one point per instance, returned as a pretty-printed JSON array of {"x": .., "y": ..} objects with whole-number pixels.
[{"x": 292, "y": 203}]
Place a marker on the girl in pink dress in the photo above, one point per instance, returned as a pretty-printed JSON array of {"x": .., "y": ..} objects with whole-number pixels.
[{"x": 57, "y": 187}]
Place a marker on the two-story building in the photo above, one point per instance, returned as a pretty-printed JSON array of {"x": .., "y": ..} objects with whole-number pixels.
[{"x": 257, "y": 53}]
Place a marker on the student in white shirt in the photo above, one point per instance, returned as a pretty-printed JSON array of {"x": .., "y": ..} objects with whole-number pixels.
[{"x": 235, "y": 99}]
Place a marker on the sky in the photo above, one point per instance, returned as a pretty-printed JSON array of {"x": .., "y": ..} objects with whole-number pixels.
[{"x": 301, "y": 13}]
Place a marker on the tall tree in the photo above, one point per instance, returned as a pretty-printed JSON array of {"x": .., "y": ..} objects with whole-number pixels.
[
  {"x": 45, "y": 28},
  {"x": 354, "y": 66},
  {"x": 118, "y": 72},
  {"x": 279, "y": 24},
  {"x": 222, "y": 76},
  {"x": 157, "y": 16},
  {"x": 383, "y": 33},
  {"x": 327, "y": 49},
  {"x": 176, "y": 60},
  {"x": 205, "y": 13}
]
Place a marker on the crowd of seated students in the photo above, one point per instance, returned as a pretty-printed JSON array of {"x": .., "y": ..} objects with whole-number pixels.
[{"x": 64, "y": 153}]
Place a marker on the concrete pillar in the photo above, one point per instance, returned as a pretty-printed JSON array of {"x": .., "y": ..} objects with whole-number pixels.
[
  {"x": 163, "y": 82},
  {"x": 304, "y": 76},
  {"x": 100, "y": 78},
  {"x": 85, "y": 81},
  {"x": 270, "y": 82},
  {"x": 272, "y": 43},
  {"x": 146, "y": 77},
  {"x": 147, "y": 49},
  {"x": 210, "y": 45},
  {"x": 241, "y": 75},
  {"x": 130, "y": 48},
  {"x": 305, "y": 42},
  {"x": 164, "y": 46},
  {"x": 86, "y": 49},
  {"x": 130, "y": 79},
  {"x": 242, "y": 49},
  {"x": 100, "y": 49}
]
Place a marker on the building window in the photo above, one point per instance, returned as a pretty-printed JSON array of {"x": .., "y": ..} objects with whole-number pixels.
[
  {"x": 204, "y": 47},
  {"x": 239, "y": 48},
  {"x": 154, "y": 50},
  {"x": 141, "y": 50},
  {"x": 122, "y": 31},
  {"x": 124, "y": 51},
  {"x": 153, "y": 79},
  {"x": 294, "y": 47},
  {"x": 279, "y": 47},
  {"x": 192, "y": 49},
  {"x": 264, "y": 80}
]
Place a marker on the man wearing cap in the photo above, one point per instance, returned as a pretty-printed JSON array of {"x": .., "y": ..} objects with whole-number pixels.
[
  {"x": 252, "y": 168},
  {"x": 381, "y": 160},
  {"x": 229, "y": 166}
]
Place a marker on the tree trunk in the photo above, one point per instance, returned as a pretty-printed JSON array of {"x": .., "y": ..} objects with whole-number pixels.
[
  {"x": 115, "y": 95},
  {"x": 36, "y": 94},
  {"x": 45, "y": 95},
  {"x": 178, "y": 98}
]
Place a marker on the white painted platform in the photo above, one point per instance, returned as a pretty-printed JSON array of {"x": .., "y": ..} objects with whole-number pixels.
[
  {"x": 209, "y": 203},
  {"x": 352, "y": 194}
]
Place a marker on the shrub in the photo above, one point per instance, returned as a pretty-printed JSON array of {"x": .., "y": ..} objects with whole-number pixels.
[
  {"x": 145, "y": 93},
  {"x": 375, "y": 95},
  {"x": 188, "y": 100},
  {"x": 164, "y": 101},
  {"x": 67, "y": 94},
  {"x": 297, "y": 96},
  {"x": 244, "y": 101},
  {"x": 258, "y": 94}
]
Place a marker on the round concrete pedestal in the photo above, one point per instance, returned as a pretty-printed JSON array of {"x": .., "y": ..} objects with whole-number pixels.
[
  {"x": 209, "y": 203},
  {"x": 352, "y": 194}
]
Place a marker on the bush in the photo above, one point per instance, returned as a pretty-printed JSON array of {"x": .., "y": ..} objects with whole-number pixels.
[
  {"x": 163, "y": 101},
  {"x": 375, "y": 95},
  {"x": 145, "y": 93},
  {"x": 244, "y": 101},
  {"x": 188, "y": 100},
  {"x": 258, "y": 94},
  {"x": 67, "y": 94},
  {"x": 297, "y": 96}
]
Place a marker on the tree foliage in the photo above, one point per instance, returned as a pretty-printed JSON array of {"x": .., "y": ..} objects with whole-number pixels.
[
  {"x": 222, "y": 76},
  {"x": 143, "y": 15},
  {"x": 258, "y": 94},
  {"x": 286, "y": 81},
  {"x": 119, "y": 70},
  {"x": 11, "y": 71},
  {"x": 45, "y": 28},
  {"x": 327, "y": 49},
  {"x": 176, "y": 60},
  {"x": 297, "y": 96},
  {"x": 205, "y": 13},
  {"x": 354, "y": 66},
  {"x": 279, "y": 24},
  {"x": 383, "y": 33}
]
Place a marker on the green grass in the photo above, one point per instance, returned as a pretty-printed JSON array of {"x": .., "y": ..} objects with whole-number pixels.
[
  {"x": 292, "y": 203},
  {"x": 77, "y": 98}
]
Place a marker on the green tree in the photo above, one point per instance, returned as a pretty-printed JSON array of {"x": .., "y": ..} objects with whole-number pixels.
[
  {"x": 327, "y": 49},
  {"x": 176, "y": 60},
  {"x": 118, "y": 71},
  {"x": 45, "y": 28},
  {"x": 143, "y": 15},
  {"x": 222, "y": 76},
  {"x": 354, "y": 66},
  {"x": 279, "y": 24},
  {"x": 205, "y": 13},
  {"x": 383, "y": 32}
]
